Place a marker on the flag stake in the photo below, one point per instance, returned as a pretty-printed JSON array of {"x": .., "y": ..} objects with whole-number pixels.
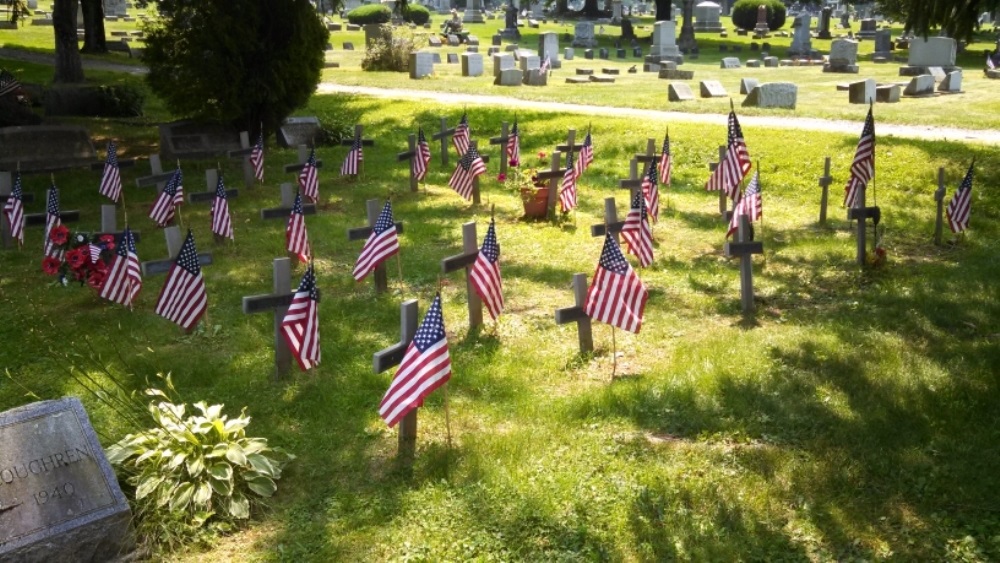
[{"x": 614, "y": 353}]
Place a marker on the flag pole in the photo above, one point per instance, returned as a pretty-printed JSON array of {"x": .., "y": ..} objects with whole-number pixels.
[
  {"x": 399, "y": 261},
  {"x": 614, "y": 354},
  {"x": 177, "y": 207},
  {"x": 447, "y": 408}
]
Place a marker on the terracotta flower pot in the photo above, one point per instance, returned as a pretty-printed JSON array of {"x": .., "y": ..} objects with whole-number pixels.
[{"x": 536, "y": 201}]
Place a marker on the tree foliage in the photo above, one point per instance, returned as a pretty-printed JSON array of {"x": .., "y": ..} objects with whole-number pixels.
[
  {"x": 240, "y": 62},
  {"x": 957, "y": 18}
]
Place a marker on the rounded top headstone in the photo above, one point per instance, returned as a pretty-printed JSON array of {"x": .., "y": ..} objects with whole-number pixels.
[{"x": 708, "y": 4}]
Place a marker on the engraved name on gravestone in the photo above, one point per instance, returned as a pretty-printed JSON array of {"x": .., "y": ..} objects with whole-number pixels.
[{"x": 59, "y": 498}]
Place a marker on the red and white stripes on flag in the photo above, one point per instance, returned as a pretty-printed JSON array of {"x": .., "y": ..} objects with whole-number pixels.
[
  {"x": 422, "y": 159},
  {"x": 960, "y": 206},
  {"x": 426, "y": 366},
  {"x": 616, "y": 295},
  {"x": 666, "y": 161},
  {"x": 353, "y": 160},
  {"x": 567, "y": 191},
  {"x": 637, "y": 233},
  {"x": 222, "y": 224},
  {"x": 863, "y": 166},
  {"x": 52, "y": 220},
  {"x": 586, "y": 156},
  {"x": 309, "y": 178},
  {"x": 124, "y": 276},
  {"x": 461, "y": 137},
  {"x": 111, "y": 180},
  {"x": 514, "y": 146},
  {"x": 182, "y": 299},
  {"x": 735, "y": 166},
  {"x": 651, "y": 192},
  {"x": 382, "y": 243},
  {"x": 485, "y": 274},
  {"x": 162, "y": 212},
  {"x": 751, "y": 205},
  {"x": 300, "y": 326},
  {"x": 14, "y": 208},
  {"x": 257, "y": 158},
  {"x": 296, "y": 238},
  {"x": 469, "y": 166}
]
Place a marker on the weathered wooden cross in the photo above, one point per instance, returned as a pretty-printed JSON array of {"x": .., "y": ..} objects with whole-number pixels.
[
  {"x": 243, "y": 153},
  {"x": 358, "y": 134},
  {"x": 611, "y": 222},
  {"x": 372, "y": 208},
  {"x": 576, "y": 314},
  {"x": 860, "y": 213},
  {"x": 391, "y": 357},
  {"x": 36, "y": 219},
  {"x": 470, "y": 251},
  {"x": 824, "y": 182},
  {"x": 158, "y": 177},
  {"x": 476, "y": 194},
  {"x": 723, "y": 198},
  {"x": 109, "y": 224},
  {"x": 939, "y": 198},
  {"x": 648, "y": 156},
  {"x": 502, "y": 141},
  {"x": 287, "y": 201},
  {"x": 410, "y": 155},
  {"x": 303, "y": 157},
  {"x": 569, "y": 147},
  {"x": 745, "y": 249},
  {"x": 174, "y": 242},
  {"x": 554, "y": 175},
  {"x": 634, "y": 182},
  {"x": 6, "y": 187},
  {"x": 444, "y": 135},
  {"x": 276, "y": 302}
]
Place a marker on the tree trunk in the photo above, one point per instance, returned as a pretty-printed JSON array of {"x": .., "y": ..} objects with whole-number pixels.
[
  {"x": 590, "y": 9},
  {"x": 93, "y": 27},
  {"x": 68, "y": 65},
  {"x": 664, "y": 10}
]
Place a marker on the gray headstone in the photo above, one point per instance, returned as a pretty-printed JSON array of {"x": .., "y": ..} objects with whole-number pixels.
[
  {"x": 45, "y": 147},
  {"x": 584, "y": 35},
  {"x": 421, "y": 64},
  {"x": 453, "y": 58},
  {"x": 453, "y": 41},
  {"x": 952, "y": 82},
  {"x": 435, "y": 41},
  {"x": 603, "y": 53},
  {"x": 729, "y": 62},
  {"x": 922, "y": 85},
  {"x": 548, "y": 46},
  {"x": 747, "y": 85},
  {"x": 932, "y": 51},
  {"x": 861, "y": 92},
  {"x": 509, "y": 77},
  {"x": 497, "y": 40},
  {"x": 348, "y": 46},
  {"x": 59, "y": 497},
  {"x": 502, "y": 62},
  {"x": 529, "y": 62},
  {"x": 472, "y": 64},
  {"x": 753, "y": 63},
  {"x": 535, "y": 78},
  {"x": 771, "y": 62},
  {"x": 843, "y": 52},
  {"x": 679, "y": 92},
  {"x": 436, "y": 58},
  {"x": 712, "y": 89},
  {"x": 588, "y": 54},
  {"x": 937, "y": 72},
  {"x": 568, "y": 53},
  {"x": 295, "y": 131},
  {"x": 773, "y": 95},
  {"x": 888, "y": 93}
]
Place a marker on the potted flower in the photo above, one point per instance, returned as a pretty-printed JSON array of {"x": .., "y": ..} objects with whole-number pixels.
[{"x": 534, "y": 193}]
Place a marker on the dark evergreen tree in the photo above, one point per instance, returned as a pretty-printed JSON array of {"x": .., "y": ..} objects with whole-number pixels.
[{"x": 957, "y": 18}]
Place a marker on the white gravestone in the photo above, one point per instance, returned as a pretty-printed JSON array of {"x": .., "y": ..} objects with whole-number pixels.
[
  {"x": 583, "y": 35},
  {"x": 706, "y": 15},
  {"x": 548, "y": 46},
  {"x": 773, "y": 95},
  {"x": 502, "y": 62},
  {"x": 472, "y": 64},
  {"x": 665, "y": 42},
  {"x": 421, "y": 64},
  {"x": 932, "y": 51}
]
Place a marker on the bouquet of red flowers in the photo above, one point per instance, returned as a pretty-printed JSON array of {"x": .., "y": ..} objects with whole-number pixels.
[{"x": 85, "y": 258}]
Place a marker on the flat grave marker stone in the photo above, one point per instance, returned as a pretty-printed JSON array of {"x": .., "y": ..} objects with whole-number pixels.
[
  {"x": 295, "y": 131},
  {"x": 45, "y": 148},
  {"x": 679, "y": 92},
  {"x": 712, "y": 89}
]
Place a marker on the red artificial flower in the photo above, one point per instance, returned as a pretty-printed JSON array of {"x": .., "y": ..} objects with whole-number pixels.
[
  {"x": 501, "y": 177},
  {"x": 514, "y": 162},
  {"x": 96, "y": 277},
  {"x": 78, "y": 257},
  {"x": 541, "y": 154},
  {"x": 59, "y": 235},
  {"x": 51, "y": 265},
  {"x": 107, "y": 239}
]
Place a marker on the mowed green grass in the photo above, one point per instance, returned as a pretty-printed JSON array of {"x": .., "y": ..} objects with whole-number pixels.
[{"x": 854, "y": 417}]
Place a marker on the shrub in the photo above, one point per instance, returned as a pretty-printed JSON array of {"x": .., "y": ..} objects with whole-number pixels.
[
  {"x": 391, "y": 51},
  {"x": 744, "y": 14},
  {"x": 417, "y": 14},
  {"x": 121, "y": 101},
  {"x": 371, "y": 13}
]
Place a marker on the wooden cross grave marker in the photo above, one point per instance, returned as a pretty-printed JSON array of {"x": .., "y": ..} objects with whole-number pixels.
[
  {"x": 158, "y": 177},
  {"x": 824, "y": 182},
  {"x": 939, "y": 198},
  {"x": 745, "y": 249},
  {"x": 650, "y": 154},
  {"x": 243, "y": 153},
  {"x": 861, "y": 213},
  {"x": 109, "y": 224},
  {"x": 36, "y": 219},
  {"x": 174, "y": 242},
  {"x": 303, "y": 157},
  {"x": 476, "y": 194},
  {"x": 470, "y": 251},
  {"x": 611, "y": 222},
  {"x": 372, "y": 208},
  {"x": 502, "y": 141},
  {"x": 444, "y": 135},
  {"x": 276, "y": 302},
  {"x": 288, "y": 191},
  {"x": 6, "y": 187},
  {"x": 554, "y": 175},
  {"x": 634, "y": 182},
  {"x": 723, "y": 198},
  {"x": 391, "y": 357},
  {"x": 576, "y": 313},
  {"x": 569, "y": 147},
  {"x": 358, "y": 134},
  {"x": 409, "y": 155}
]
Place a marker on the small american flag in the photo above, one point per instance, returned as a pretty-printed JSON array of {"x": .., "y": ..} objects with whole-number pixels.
[
  {"x": 353, "y": 160},
  {"x": 52, "y": 220},
  {"x": 14, "y": 208},
  {"x": 960, "y": 206},
  {"x": 567, "y": 193},
  {"x": 425, "y": 367},
  {"x": 300, "y": 326},
  {"x": 8, "y": 82},
  {"x": 124, "y": 279},
  {"x": 485, "y": 274},
  {"x": 637, "y": 232},
  {"x": 735, "y": 166},
  {"x": 469, "y": 166},
  {"x": 751, "y": 205},
  {"x": 666, "y": 162},
  {"x": 514, "y": 146},
  {"x": 111, "y": 181},
  {"x": 616, "y": 296},
  {"x": 545, "y": 66},
  {"x": 182, "y": 299},
  {"x": 296, "y": 239},
  {"x": 162, "y": 212},
  {"x": 651, "y": 192},
  {"x": 461, "y": 137},
  {"x": 863, "y": 167},
  {"x": 309, "y": 178},
  {"x": 222, "y": 225},
  {"x": 381, "y": 244},
  {"x": 586, "y": 156},
  {"x": 95, "y": 252},
  {"x": 422, "y": 158},
  {"x": 257, "y": 158}
]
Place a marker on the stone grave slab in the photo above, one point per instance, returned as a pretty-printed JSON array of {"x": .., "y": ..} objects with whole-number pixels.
[
  {"x": 937, "y": 72},
  {"x": 509, "y": 77},
  {"x": 41, "y": 148},
  {"x": 712, "y": 89},
  {"x": 436, "y": 57},
  {"x": 679, "y": 92},
  {"x": 502, "y": 62},
  {"x": 588, "y": 54},
  {"x": 888, "y": 93},
  {"x": 421, "y": 64},
  {"x": 584, "y": 71},
  {"x": 535, "y": 77},
  {"x": 922, "y": 85},
  {"x": 472, "y": 64},
  {"x": 747, "y": 85},
  {"x": 861, "y": 92},
  {"x": 773, "y": 95},
  {"x": 568, "y": 53},
  {"x": 932, "y": 51},
  {"x": 771, "y": 62},
  {"x": 603, "y": 53},
  {"x": 602, "y": 79},
  {"x": 952, "y": 82},
  {"x": 529, "y": 62},
  {"x": 295, "y": 131},
  {"x": 729, "y": 62},
  {"x": 452, "y": 58},
  {"x": 610, "y": 70},
  {"x": 435, "y": 41},
  {"x": 577, "y": 80},
  {"x": 753, "y": 63}
]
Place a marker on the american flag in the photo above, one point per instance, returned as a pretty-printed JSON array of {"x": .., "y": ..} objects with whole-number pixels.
[
  {"x": 257, "y": 158},
  {"x": 960, "y": 206},
  {"x": 514, "y": 146},
  {"x": 461, "y": 136},
  {"x": 222, "y": 225},
  {"x": 14, "y": 208},
  {"x": 352, "y": 162},
  {"x": 8, "y": 82},
  {"x": 309, "y": 178},
  {"x": 296, "y": 239},
  {"x": 735, "y": 166},
  {"x": 637, "y": 232},
  {"x": 422, "y": 158},
  {"x": 651, "y": 192},
  {"x": 863, "y": 167},
  {"x": 52, "y": 220},
  {"x": 989, "y": 62},
  {"x": 485, "y": 274},
  {"x": 162, "y": 212},
  {"x": 425, "y": 367},
  {"x": 111, "y": 181},
  {"x": 182, "y": 299},
  {"x": 751, "y": 205},
  {"x": 567, "y": 193},
  {"x": 381, "y": 244},
  {"x": 469, "y": 166},
  {"x": 545, "y": 66},
  {"x": 666, "y": 162},
  {"x": 300, "y": 326},
  {"x": 124, "y": 280},
  {"x": 616, "y": 295},
  {"x": 95, "y": 252},
  {"x": 586, "y": 156}
]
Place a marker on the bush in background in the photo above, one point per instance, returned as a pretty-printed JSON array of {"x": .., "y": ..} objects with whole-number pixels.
[
  {"x": 416, "y": 14},
  {"x": 744, "y": 14},
  {"x": 371, "y": 13},
  {"x": 391, "y": 52}
]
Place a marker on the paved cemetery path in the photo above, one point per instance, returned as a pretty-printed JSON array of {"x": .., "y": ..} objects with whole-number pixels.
[
  {"x": 14, "y": 54},
  {"x": 988, "y": 136}
]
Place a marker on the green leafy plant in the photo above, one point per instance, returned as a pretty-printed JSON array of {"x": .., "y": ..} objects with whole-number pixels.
[
  {"x": 745, "y": 13},
  {"x": 417, "y": 14},
  {"x": 369, "y": 13},
  {"x": 391, "y": 51}
]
